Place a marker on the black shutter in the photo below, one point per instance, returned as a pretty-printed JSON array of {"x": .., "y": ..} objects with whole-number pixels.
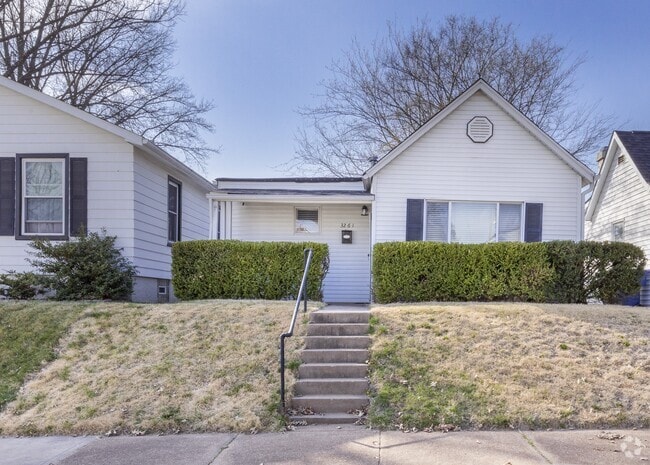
[
  {"x": 533, "y": 226},
  {"x": 78, "y": 195},
  {"x": 7, "y": 196},
  {"x": 414, "y": 219}
]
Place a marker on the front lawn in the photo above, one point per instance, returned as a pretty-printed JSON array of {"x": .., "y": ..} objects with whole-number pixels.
[
  {"x": 139, "y": 368},
  {"x": 508, "y": 365},
  {"x": 29, "y": 335}
]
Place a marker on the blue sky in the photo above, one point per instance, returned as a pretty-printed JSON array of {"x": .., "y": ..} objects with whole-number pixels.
[{"x": 261, "y": 60}]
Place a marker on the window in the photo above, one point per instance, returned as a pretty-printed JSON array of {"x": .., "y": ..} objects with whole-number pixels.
[
  {"x": 43, "y": 196},
  {"x": 173, "y": 210},
  {"x": 473, "y": 222},
  {"x": 307, "y": 221},
  {"x": 618, "y": 231}
]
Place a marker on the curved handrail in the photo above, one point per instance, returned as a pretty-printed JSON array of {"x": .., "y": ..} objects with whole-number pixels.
[{"x": 302, "y": 295}]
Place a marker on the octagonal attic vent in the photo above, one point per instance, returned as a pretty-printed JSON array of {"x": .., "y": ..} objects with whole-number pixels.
[{"x": 479, "y": 129}]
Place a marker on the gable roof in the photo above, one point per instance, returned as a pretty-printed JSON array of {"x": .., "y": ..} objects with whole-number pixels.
[
  {"x": 132, "y": 138},
  {"x": 634, "y": 144},
  {"x": 481, "y": 86},
  {"x": 637, "y": 146}
]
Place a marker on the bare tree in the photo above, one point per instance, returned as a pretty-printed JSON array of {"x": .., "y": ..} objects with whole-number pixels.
[
  {"x": 111, "y": 58},
  {"x": 379, "y": 96}
]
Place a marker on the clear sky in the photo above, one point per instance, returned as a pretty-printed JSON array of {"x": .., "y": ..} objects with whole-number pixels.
[{"x": 261, "y": 60}]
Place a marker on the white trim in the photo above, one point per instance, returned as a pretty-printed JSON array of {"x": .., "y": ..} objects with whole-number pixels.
[
  {"x": 24, "y": 197},
  {"x": 450, "y": 204},
  {"x": 480, "y": 85},
  {"x": 295, "y": 219},
  {"x": 128, "y": 136},
  {"x": 614, "y": 144},
  {"x": 280, "y": 198}
]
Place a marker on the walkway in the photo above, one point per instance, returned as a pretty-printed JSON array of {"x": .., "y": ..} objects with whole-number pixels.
[{"x": 334, "y": 445}]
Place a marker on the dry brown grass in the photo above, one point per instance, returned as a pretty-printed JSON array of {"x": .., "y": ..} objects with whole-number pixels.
[
  {"x": 500, "y": 365},
  {"x": 200, "y": 366}
]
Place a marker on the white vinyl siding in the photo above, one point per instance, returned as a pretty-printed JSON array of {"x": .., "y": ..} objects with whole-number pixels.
[
  {"x": 348, "y": 279},
  {"x": 444, "y": 164},
  {"x": 127, "y": 191},
  {"x": 152, "y": 255},
  {"x": 625, "y": 198},
  {"x": 30, "y": 127}
]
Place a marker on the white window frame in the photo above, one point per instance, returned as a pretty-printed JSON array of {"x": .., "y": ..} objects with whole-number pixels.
[
  {"x": 177, "y": 220},
  {"x": 621, "y": 225},
  {"x": 295, "y": 220},
  {"x": 450, "y": 204},
  {"x": 24, "y": 197}
]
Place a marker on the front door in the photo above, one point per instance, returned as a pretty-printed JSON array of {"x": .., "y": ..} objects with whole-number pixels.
[{"x": 348, "y": 279}]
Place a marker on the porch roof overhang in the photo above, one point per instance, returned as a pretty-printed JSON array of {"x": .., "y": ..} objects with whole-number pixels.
[{"x": 292, "y": 196}]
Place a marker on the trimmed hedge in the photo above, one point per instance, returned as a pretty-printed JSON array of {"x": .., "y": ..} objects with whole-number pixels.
[
  {"x": 424, "y": 271},
  {"x": 607, "y": 271},
  {"x": 558, "y": 271},
  {"x": 229, "y": 269}
]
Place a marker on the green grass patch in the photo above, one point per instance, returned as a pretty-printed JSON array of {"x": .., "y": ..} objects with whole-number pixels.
[{"x": 29, "y": 334}]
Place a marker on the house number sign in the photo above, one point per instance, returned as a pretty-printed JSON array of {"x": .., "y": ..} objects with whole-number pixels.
[{"x": 347, "y": 225}]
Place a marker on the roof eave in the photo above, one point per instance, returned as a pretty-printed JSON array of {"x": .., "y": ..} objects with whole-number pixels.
[
  {"x": 128, "y": 136},
  {"x": 304, "y": 199},
  {"x": 480, "y": 85}
]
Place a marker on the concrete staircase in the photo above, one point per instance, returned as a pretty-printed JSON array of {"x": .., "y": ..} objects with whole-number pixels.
[{"x": 332, "y": 383}]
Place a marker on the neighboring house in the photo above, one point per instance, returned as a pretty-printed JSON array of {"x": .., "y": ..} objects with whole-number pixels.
[
  {"x": 62, "y": 169},
  {"x": 478, "y": 171},
  {"x": 619, "y": 209}
]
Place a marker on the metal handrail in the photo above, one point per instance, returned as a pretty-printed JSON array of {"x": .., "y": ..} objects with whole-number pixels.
[{"x": 302, "y": 295}]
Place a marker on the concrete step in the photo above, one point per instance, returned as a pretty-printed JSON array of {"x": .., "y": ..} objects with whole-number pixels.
[
  {"x": 310, "y": 386},
  {"x": 338, "y": 329},
  {"x": 337, "y": 342},
  {"x": 330, "y": 403},
  {"x": 332, "y": 370},
  {"x": 327, "y": 419},
  {"x": 335, "y": 355},
  {"x": 323, "y": 316}
]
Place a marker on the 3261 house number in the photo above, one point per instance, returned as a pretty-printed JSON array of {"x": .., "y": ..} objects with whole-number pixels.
[{"x": 347, "y": 225}]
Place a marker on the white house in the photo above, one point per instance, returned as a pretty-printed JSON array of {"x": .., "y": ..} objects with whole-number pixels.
[
  {"x": 619, "y": 209},
  {"x": 478, "y": 171},
  {"x": 62, "y": 168}
]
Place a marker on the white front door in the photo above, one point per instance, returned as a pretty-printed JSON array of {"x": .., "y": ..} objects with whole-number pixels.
[{"x": 348, "y": 279}]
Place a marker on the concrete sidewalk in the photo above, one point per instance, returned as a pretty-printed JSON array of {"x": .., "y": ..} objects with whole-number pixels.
[{"x": 334, "y": 445}]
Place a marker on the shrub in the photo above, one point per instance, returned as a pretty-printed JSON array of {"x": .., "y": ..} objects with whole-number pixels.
[
  {"x": 425, "y": 271},
  {"x": 89, "y": 267},
  {"x": 607, "y": 271},
  {"x": 22, "y": 286},
  {"x": 229, "y": 269},
  {"x": 557, "y": 271}
]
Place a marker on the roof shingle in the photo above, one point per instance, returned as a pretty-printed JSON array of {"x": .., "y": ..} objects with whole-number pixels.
[{"x": 637, "y": 145}]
